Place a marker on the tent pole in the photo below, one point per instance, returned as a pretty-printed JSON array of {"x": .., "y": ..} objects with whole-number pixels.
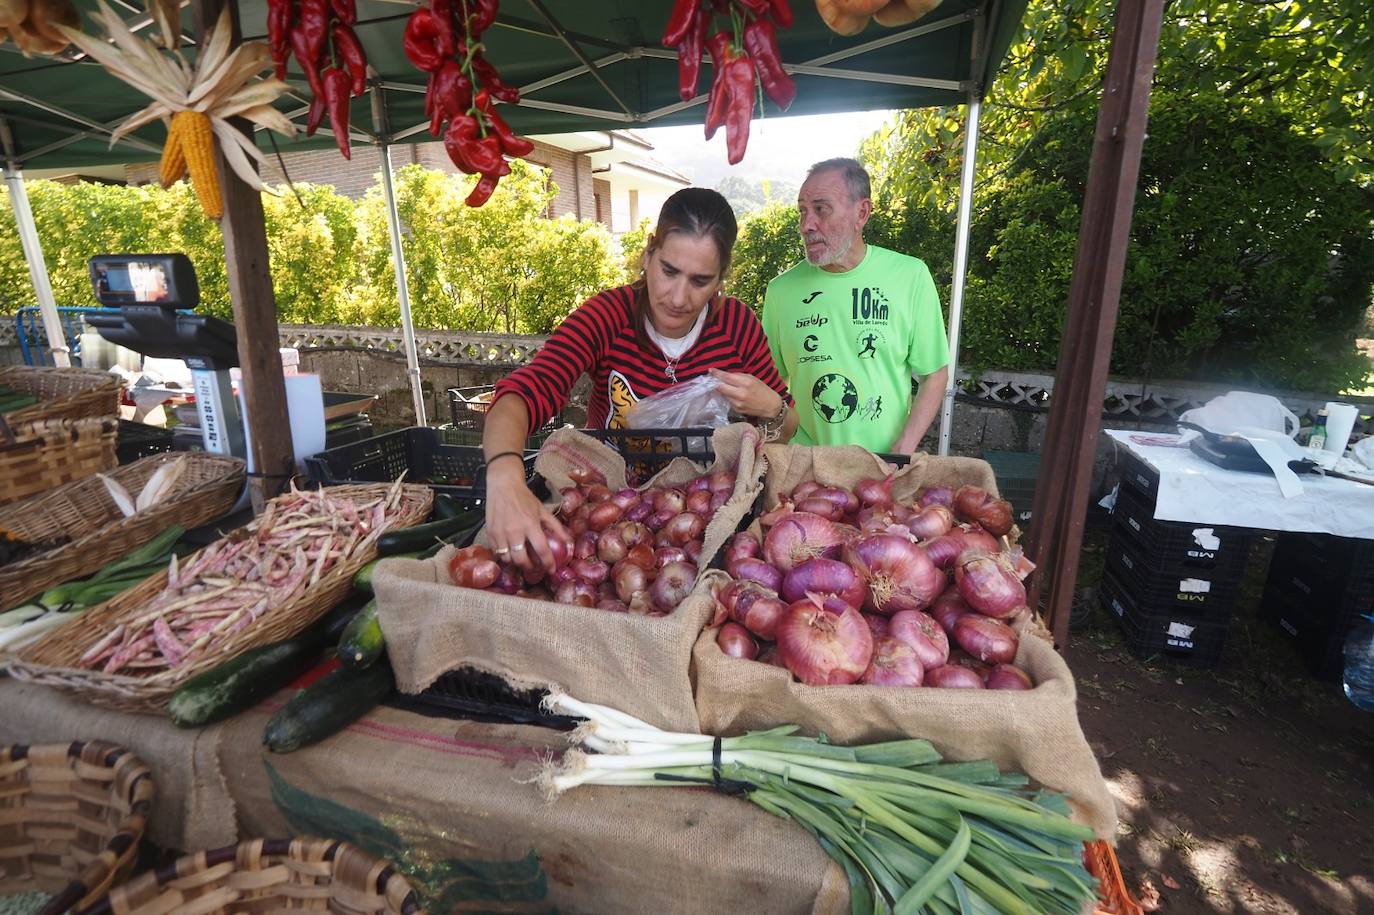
[
  {"x": 33, "y": 253},
  {"x": 393, "y": 221},
  {"x": 956, "y": 295}
]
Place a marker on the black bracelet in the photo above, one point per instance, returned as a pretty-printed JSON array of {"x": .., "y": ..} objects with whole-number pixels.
[{"x": 497, "y": 457}]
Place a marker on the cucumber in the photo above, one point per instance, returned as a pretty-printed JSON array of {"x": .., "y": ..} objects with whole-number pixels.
[
  {"x": 423, "y": 536},
  {"x": 327, "y": 706},
  {"x": 246, "y": 679},
  {"x": 361, "y": 643},
  {"x": 445, "y": 507}
]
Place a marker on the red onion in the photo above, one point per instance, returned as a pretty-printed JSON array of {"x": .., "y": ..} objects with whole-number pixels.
[
  {"x": 532, "y": 575},
  {"x": 640, "y": 511},
  {"x": 592, "y": 571},
  {"x": 770, "y": 655},
  {"x": 823, "y": 507},
  {"x": 878, "y": 625},
  {"x": 874, "y": 492},
  {"x": 670, "y": 500},
  {"x": 584, "y": 547},
  {"x": 597, "y": 492},
  {"x": 561, "y": 549},
  {"x": 474, "y": 573},
  {"x": 1007, "y": 676},
  {"x": 634, "y": 533},
  {"x": 559, "y": 576},
  {"x": 586, "y": 475},
  {"x": 1019, "y": 563},
  {"x": 894, "y": 663},
  {"x": 989, "y": 584},
  {"x": 613, "y": 605},
  {"x": 847, "y": 502},
  {"x": 743, "y": 545},
  {"x": 986, "y": 639},
  {"x": 509, "y": 581},
  {"x": 686, "y": 526},
  {"x": 935, "y": 495},
  {"x": 961, "y": 658},
  {"x": 642, "y": 555},
  {"x": 876, "y": 519},
  {"x": 699, "y": 484},
  {"x": 975, "y": 538},
  {"x": 735, "y": 641},
  {"x": 719, "y": 612},
  {"x": 948, "y": 607},
  {"x": 606, "y": 590},
  {"x": 666, "y": 554},
  {"x": 756, "y": 570},
  {"x": 804, "y": 489},
  {"x": 672, "y": 585},
  {"x": 933, "y": 521},
  {"x": 771, "y": 517},
  {"x": 629, "y": 579},
  {"x": 576, "y": 592},
  {"x": 753, "y": 606},
  {"x": 952, "y": 676},
  {"x": 718, "y": 498},
  {"x": 723, "y": 481},
  {"x": 577, "y": 525},
  {"x": 824, "y": 645},
  {"x": 699, "y": 503},
  {"x": 572, "y": 500},
  {"x": 604, "y": 515},
  {"x": 798, "y": 537},
  {"x": 640, "y": 605},
  {"x": 610, "y": 546},
  {"x": 972, "y": 503},
  {"x": 693, "y": 551},
  {"x": 923, "y": 634},
  {"x": 824, "y": 576},
  {"x": 899, "y": 575},
  {"x": 625, "y": 498}
]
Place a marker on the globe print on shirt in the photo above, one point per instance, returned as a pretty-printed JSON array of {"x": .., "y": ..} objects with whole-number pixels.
[{"x": 834, "y": 397}]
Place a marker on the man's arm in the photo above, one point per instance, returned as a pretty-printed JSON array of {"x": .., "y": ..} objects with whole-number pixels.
[{"x": 924, "y": 406}]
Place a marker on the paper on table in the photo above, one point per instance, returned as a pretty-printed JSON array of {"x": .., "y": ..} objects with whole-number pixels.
[{"x": 305, "y": 407}]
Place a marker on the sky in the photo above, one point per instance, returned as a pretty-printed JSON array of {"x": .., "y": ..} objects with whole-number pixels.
[{"x": 779, "y": 148}]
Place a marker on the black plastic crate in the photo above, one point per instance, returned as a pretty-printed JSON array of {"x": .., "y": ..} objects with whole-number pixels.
[
  {"x": 468, "y": 409},
  {"x": 138, "y": 440},
  {"x": 1193, "y": 640},
  {"x": 1155, "y": 589},
  {"x": 1318, "y": 585},
  {"x": 647, "y": 451},
  {"x": 423, "y": 454},
  {"x": 1140, "y": 476},
  {"x": 1180, "y": 545},
  {"x": 480, "y": 696},
  {"x": 1016, "y": 472}
]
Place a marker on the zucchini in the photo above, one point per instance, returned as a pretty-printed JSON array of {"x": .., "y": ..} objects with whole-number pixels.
[
  {"x": 361, "y": 643},
  {"x": 246, "y": 679},
  {"x": 446, "y": 507},
  {"x": 327, "y": 706},
  {"x": 423, "y": 536}
]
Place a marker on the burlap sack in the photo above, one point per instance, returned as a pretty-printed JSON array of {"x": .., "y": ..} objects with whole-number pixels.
[
  {"x": 1035, "y": 731},
  {"x": 635, "y": 663}
]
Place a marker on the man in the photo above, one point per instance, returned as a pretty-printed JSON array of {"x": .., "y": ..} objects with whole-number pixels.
[{"x": 851, "y": 326}]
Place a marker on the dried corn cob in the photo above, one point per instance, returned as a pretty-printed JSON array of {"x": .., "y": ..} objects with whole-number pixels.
[
  {"x": 198, "y": 145},
  {"x": 172, "y": 168}
]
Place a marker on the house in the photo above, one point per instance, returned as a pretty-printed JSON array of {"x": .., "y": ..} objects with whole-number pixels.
[{"x": 608, "y": 176}]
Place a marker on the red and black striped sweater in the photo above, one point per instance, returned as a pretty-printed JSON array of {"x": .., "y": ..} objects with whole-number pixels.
[{"x": 599, "y": 338}]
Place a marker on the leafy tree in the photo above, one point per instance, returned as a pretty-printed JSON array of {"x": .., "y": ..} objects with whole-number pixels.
[{"x": 768, "y": 244}]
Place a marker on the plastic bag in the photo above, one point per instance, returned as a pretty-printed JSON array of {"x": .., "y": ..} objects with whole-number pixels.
[
  {"x": 692, "y": 404},
  {"x": 1243, "y": 410}
]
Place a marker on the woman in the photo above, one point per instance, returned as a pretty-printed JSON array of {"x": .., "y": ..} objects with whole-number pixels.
[{"x": 670, "y": 326}]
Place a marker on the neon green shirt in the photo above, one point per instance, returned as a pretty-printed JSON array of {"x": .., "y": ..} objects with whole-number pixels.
[{"x": 848, "y": 345}]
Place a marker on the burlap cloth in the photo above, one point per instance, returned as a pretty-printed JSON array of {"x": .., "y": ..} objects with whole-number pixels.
[
  {"x": 634, "y": 663},
  {"x": 191, "y": 808},
  {"x": 1036, "y": 731}
]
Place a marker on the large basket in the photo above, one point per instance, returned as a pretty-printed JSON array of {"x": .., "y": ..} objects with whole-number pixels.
[
  {"x": 52, "y": 661},
  {"x": 62, "y": 393},
  {"x": 71, "y": 819},
  {"x": 35, "y": 457},
  {"x": 260, "y": 875},
  {"x": 98, "y": 531}
]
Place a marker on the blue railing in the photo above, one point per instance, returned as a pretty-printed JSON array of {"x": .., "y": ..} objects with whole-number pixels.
[{"x": 33, "y": 337}]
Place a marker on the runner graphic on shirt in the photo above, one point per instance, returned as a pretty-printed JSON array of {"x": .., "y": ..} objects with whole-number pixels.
[{"x": 869, "y": 350}]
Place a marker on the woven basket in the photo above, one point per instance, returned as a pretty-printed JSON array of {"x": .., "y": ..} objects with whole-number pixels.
[
  {"x": 71, "y": 817},
  {"x": 260, "y": 875},
  {"x": 35, "y": 457},
  {"x": 62, "y": 393},
  {"x": 99, "y": 532},
  {"x": 52, "y": 660}
]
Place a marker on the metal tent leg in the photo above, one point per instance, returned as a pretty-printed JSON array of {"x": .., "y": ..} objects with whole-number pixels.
[
  {"x": 956, "y": 295},
  {"x": 33, "y": 252}
]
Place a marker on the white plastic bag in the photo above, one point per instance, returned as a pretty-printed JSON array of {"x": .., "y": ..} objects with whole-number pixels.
[
  {"x": 692, "y": 404},
  {"x": 1243, "y": 410}
]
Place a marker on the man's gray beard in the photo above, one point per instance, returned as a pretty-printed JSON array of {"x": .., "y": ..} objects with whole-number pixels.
[{"x": 832, "y": 255}]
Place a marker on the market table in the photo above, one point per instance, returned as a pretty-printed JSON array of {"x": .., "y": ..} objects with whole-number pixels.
[{"x": 454, "y": 803}]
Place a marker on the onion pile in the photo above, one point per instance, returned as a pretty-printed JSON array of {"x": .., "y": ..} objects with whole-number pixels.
[
  {"x": 631, "y": 551},
  {"x": 853, "y": 586}
]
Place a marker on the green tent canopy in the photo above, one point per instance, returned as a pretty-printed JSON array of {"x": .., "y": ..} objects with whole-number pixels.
[{"x": 581, "y": 65}]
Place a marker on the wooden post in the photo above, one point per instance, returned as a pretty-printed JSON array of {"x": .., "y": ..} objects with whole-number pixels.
[
  {"x": 255, "y": 307},
  {"x": 1061, "y": 501}
]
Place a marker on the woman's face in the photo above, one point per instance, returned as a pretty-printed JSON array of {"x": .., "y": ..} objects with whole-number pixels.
[{"x": 683, "y": 272}]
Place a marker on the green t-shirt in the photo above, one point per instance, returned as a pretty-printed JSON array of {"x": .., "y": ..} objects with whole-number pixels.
[{"x": 848, "y": 345}]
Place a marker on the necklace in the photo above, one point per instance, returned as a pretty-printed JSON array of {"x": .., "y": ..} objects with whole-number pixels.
[
  {"x": 670, "y": 369},
  {"x": 674, "y": 349}
]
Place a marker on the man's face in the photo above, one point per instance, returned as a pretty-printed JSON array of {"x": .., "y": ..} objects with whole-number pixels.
[{"x": 830, "y": 221}]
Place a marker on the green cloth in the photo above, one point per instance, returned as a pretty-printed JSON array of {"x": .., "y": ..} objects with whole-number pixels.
[{"x": 848, "y": 345}]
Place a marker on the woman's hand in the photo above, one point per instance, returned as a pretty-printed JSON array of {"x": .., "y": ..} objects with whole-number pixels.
[
  {"x": 748, "y": 395},
  {"x": 518, "y": 525}
]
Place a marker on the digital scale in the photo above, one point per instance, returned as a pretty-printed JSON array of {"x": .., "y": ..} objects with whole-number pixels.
[{"x": 147, "y": 290}]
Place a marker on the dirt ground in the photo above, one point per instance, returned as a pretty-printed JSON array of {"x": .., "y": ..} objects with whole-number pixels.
[{"x": 1244, "y": 789}]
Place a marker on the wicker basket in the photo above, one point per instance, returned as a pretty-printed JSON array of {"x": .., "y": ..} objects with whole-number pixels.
[
  {"x": 62, "y": 393},
  {"x": 98, "y": 531},
  {"x": 71, "y": 817},
  {"x": 35, "y": 457},
  {"x": 260, "y": 875},
  {"x": 52, "y": 660}
]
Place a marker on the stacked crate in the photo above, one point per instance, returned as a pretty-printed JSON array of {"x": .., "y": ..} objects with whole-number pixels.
[
  {"x": 1171, "y": 585},
  {"x": 1318, "y": 586}
]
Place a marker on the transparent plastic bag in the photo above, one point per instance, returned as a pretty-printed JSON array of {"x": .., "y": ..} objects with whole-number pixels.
[{"x": 695, "y": 403}]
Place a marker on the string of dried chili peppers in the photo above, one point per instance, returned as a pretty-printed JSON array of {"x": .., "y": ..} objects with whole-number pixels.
[
  {"x": 747, "y": 47},
  {"x": 319, "y": 33},
  {"x": 444, "y": 40}
]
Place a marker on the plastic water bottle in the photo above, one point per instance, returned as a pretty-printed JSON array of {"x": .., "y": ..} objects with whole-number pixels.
[{"x": 1359, "y": 663}]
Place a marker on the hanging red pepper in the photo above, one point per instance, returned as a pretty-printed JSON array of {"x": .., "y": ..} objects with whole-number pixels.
[
  {"x": 279, "y": 33},
  {"x": 461, "y": 134},
  {"x": 486, "y": 74},
  {"x": 421, "y": 41},
  {"x": 315, "y": 118},
  {"x": 452, "y": 90},
  {"x": 739, "y": 80},
  {"x": 314, "y": 25},
  {"x": 354, "y": 58},
  {"x": 680, "y": 22},
  {"x": 689, "y": 55},
  {"x": 761, "y": 41},
  {"x": 781, "y": 13},
  {"x": 309, "y": 63},
  {"x": 443, "y": 11},
  {"x": 336, "y": 86},
  {"x": 757, "y": 7},
  {"x": 486, "y": 184},
  {"x": 481, "y": 15},
  {"x": 345, "y": 10},
  {"x": 721, "y": 55},
  {"x": 511, "y": 144}
]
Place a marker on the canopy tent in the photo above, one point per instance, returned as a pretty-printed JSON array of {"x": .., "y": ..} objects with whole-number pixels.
[{"x": 580, "y": 64}]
